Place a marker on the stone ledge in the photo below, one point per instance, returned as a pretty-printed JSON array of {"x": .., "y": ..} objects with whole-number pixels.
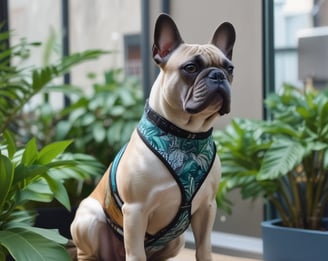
[{"x": 189, "y": 254}]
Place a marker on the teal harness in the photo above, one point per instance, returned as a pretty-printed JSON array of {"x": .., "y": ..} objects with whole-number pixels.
[{"x": 188, "y": 157}]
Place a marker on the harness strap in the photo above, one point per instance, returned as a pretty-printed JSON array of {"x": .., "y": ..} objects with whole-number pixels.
[{"x": 113, "y": 202}]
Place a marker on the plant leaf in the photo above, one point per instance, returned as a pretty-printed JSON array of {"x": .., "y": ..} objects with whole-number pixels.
[
  {"x": 51, "y": 151},
  {"x": 20, "y": 217},
  {"x": 38, "y": 191},
  {"x": 11, "y": 146},
  {"x": 282, "y": 157},
  {"x": 98, "y": 131},
  {"x": 25, "y": 245},
  {"x": 62, "y": 129},
  {"x": 59, "y": 191},
  {"x": 51, "y": 234},
  {"x": 6, "y": 178},
  {"x": 31, "y": 153},
  {"x": 28, "y": 173}
]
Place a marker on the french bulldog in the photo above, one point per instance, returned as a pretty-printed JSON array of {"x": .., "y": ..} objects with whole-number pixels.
[{"x": 167, "y": 175}]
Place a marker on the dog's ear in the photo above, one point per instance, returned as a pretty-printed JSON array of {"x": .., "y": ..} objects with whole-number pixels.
[
  {"x": 224, "y": 38},
  {"x": 166, "y": 38}
]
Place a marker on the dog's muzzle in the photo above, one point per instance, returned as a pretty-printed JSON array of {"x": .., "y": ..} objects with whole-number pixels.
[
  {"x": 210, "y": 86},
  {"x": 217, "y": 82}
]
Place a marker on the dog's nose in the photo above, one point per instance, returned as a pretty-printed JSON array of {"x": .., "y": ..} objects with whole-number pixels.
[
  {"x": 216, "y": 75},
  {"x": 217, "y": 83}
]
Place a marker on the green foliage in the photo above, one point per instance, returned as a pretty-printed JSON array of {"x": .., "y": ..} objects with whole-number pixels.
[
  {"x": 102, "y": 122},
  {"x": 29, "y": 173},
  {"x": 34, "y": 244},
  {"x": 21, "y": 171},
  {"x": 284, "y": 160},
  {"x": 17, "y": 87}
]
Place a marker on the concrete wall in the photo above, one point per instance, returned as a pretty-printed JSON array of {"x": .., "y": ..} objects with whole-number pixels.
[
  {"x": 35, "y": 20},
  {"x": 323, "y": 17},
  {"x": 102, "y": 24},
  {"x": 94, "y": 24}
]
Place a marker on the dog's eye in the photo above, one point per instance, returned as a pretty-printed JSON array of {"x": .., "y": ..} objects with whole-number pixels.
[
  {"x": 191, "y": 68},
  {"x": 230, "y": 69}
]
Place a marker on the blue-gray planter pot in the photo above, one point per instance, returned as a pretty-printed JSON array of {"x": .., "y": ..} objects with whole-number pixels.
[{"x": 293, "y": 244}]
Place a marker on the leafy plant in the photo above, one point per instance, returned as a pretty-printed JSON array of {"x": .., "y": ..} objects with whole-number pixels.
[
  {"x": 101, "y": 123},
  {"x": 18, "y": 87},
  {"x": 32, "y": 174},
  {"x": 284, "y": 160}
]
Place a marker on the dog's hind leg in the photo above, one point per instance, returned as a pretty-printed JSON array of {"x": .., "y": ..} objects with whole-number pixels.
[{"x": 92, "y": 236}]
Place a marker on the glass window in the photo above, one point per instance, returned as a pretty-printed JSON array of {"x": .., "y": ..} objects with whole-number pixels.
[
  {"x": 290, "y": 17},
  {"x": 132, "y": 55},
  {"x": 300, "y": 42},
  {"x": 37, "y": 21}
]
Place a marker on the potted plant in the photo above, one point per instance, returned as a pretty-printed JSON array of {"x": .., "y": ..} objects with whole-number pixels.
[
  {"x": 285, "y": 161},
  {"x": 28, "y": 173}
]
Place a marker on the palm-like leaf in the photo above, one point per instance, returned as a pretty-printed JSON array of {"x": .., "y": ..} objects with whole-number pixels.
[
  {"x": 241, "y": 149},
  {"x": 27, "y": 245},
  {"x": 17, "y": 88},
  {"x": 280, "y": 159},
  {"x": 284, "y": 159}
]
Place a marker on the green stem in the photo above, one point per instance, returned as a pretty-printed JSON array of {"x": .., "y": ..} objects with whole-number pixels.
[
  {"x": 281, "y": 211},
  {"x": 309, "y": 188},
  {"x": 283, "y": 191},
  {"x": 320, "y": 181},
  {"x": 296, "y": 209}
]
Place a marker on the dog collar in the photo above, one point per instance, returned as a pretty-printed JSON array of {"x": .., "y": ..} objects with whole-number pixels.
[{"x": 169, "y": 127}]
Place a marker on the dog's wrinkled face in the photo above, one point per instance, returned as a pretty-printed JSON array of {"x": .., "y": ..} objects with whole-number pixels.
[
  {"x": 196, "y": 78},
  {"x": 200, "y": 78}
]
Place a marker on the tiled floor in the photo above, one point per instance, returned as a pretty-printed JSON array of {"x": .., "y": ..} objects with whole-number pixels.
[
  {"x": 185, "y": 255},
  {"x": 188, "y": 255}
]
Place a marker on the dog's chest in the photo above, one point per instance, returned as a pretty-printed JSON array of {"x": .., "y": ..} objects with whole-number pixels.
[{"x": 187, "y": 156}]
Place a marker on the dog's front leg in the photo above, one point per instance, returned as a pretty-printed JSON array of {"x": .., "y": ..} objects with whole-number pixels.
[
  {"x": 135, "y": 223},
  {"x": 202, "y": 224}
]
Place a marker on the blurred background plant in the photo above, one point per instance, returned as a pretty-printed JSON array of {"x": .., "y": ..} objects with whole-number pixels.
[
  {"x": 100, "y": 123},
  {"x": 284, "y": 160},
  {"x": 103, "y": 122},
  {"x": 29, "y": 172}
]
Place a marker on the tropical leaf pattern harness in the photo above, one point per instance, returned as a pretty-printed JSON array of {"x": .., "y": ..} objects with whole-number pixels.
[{"x": 187, "y": 156}]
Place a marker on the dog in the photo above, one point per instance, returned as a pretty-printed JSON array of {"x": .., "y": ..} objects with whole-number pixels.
[{"x": 167, "y": 175}]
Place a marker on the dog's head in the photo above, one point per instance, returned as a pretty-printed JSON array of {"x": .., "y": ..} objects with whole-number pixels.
[{"x": 196, "y": 77}]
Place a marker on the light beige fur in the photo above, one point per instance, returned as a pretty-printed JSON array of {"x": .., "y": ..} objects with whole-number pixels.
[{"x": 150, "y": 194}]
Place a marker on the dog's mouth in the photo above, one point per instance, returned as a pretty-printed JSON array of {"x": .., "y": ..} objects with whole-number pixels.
[{"x": 211, "y": 89}]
